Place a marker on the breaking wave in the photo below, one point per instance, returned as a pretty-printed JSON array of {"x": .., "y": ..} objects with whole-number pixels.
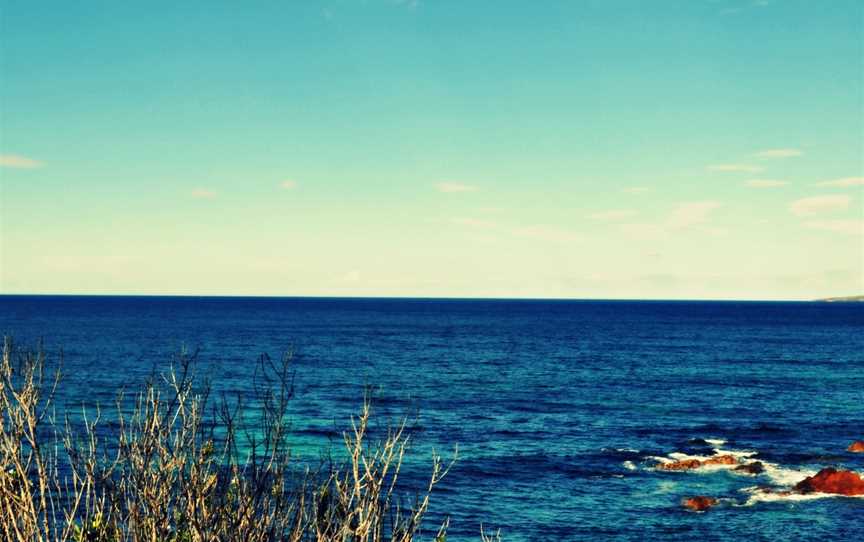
[{"x": 779, "y": 480}]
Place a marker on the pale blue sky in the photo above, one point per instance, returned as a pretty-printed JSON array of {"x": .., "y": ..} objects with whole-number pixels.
[{"x": 601, "y": 149}]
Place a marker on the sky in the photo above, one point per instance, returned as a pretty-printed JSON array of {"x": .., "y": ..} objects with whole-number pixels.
[{"x": 692, "y": 149}]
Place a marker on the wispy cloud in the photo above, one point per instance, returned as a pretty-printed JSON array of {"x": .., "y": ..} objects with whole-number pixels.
[
  {"x": 636, "y": 190},
  {"x": 288, "y": 184},
  {"x": 473, "y": 222},
  {"x": 455, "y": 187},
  {"x": 202, "y": 193},
  {"x": 543, "y": 232},
  {"x": 742, "y": 168},
  {"x": 351, "y": 276},
  {"x": 643, "y": 231},
  {"x": 690, "y": 213},
  {"x": 684, "y": 216},
  {"x": 538, "y": 232},
  {"x": 778, "y": 153},
  {"x": 819, "y": 204},
  {"x": 612, "y": 215},
  {"x": 17, "y": 161},
  {"x": 848, "y": 181},
  {"x": 849, "y": 227},
  {"x": 765, "y": 183}
]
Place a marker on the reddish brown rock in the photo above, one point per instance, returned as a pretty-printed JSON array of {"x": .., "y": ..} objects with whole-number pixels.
[
  {"x": 831, "y": 480},
  {"x": 751, "y": 468},
  {"x": 699, "y": 504},
  {"x": 690, "y": 464},
  {"x": 684, "y": 464},
  {"x": 857, "y": 447},
  {"x": 721, "y": 460}
]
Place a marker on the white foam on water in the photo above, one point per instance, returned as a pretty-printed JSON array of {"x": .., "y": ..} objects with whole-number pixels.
[
  {"x": 784, "y": 476},
  {"x": 740, "y": 454},
  {"x": 716, "y": 442},
  {"x": 660, "y": 459},
  {"x": 680, "y": 456},
  {"x": 629, "y": 465},
  {"x": 759, "y": 495},
  {"x": 716, "y": 468},
  {"x": 620, "y": 450},
  {"x": 767, "y": 496}
]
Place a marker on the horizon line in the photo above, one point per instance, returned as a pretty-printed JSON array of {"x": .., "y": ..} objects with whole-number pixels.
[{"x": 430, "y": 298}]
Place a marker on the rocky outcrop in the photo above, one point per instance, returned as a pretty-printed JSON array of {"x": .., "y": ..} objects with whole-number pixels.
[
  {"x": 690, "y": 464},
  {"x": 721, "y": 460},
  {"x": 699, "y": 503},
  {"x": 856, "y": 447},
  {"x": 684, "y": 464},
  {"x": 831, "y": 480},
  {"x": 751, "y": 468}
]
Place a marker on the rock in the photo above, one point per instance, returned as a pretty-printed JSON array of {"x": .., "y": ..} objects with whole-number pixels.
[
  {"x": 831, "y": 480},
  {"x": 857, "y": 447},
  {"x": 699, "y": 504},
  {"x": 721, "y": 460},
  {"x": 684, "y": 464},
  {"x": 751, "y": 468},
  {"x": 773, "y": 491},
  {"x": 690, "y": 464}
]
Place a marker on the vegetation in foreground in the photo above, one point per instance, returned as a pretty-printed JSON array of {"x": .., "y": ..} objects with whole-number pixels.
[{"x": 175, "y": 466}]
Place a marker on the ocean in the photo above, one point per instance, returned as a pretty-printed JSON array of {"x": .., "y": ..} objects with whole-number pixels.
[{"x": 561, "y": 410}]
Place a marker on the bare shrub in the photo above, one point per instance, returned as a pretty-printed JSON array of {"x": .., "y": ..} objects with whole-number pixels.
[{"x": 176, "y": 466}]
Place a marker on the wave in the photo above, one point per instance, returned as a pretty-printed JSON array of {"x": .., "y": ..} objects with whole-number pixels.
[
  {"x": 764, "y": 495},
  {"x": 785, "y": 476},
  {"x": 781, "y": 479},
  {"x": 714, "y": 455},
  {"x": 622, "y": 454},
  {"x": 706, "y": 465}
]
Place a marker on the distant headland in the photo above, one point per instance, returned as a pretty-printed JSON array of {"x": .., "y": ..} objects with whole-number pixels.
[{"x": 846, "y": 299}]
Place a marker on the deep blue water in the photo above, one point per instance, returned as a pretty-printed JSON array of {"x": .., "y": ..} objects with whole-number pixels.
[{"x": 557, "y": 407}]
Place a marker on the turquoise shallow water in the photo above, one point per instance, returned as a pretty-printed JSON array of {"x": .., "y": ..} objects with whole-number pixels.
[{"x": 559, "y": 409}]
